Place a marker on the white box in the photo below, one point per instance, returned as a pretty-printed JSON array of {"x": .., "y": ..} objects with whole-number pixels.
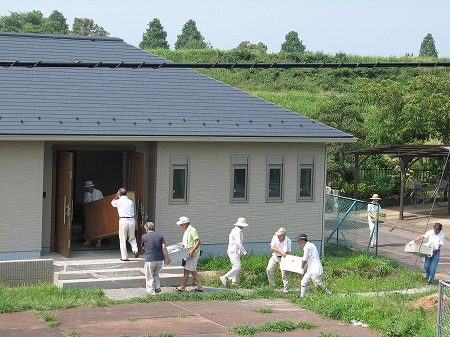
[
  {"x": 177, "y": 253},
  {"x": 421, "y": 250},
  {"x": 291, "y": 263}
]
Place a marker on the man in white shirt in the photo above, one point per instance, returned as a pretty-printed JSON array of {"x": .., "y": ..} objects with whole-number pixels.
[
  {"x": 90, "y": 195},
  {"x": 125, "y": 208},
  {"x": 235, "y": 250},
  {"x": 281, "y": 246},
  {"x": 436, "y": 240},
  {"x": 311, "y": 260}
]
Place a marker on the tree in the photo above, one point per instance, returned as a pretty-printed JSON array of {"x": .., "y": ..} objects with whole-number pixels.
[
  {"x": 154, "y": 37},
  {"x": 190, "y": 37},
  {"x": 260, "y": 47},
  {"x": 293, "y": 44},
  {"x": 87, "y": 27},
  {"x": 428, "y": 47},
  {"x": 57, "y": 23},
  {"x": 30, "y": 22}
]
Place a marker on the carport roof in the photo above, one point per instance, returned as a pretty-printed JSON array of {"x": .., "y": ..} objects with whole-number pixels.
[{"x": 408, "y": 150}]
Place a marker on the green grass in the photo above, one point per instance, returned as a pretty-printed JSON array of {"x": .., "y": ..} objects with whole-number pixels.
[
  {"x": 347, "y": 275},
  {"x": 275, "y": 326}
]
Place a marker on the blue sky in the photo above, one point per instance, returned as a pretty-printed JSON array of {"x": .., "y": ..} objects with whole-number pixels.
[{"x": 362, "y": 27}]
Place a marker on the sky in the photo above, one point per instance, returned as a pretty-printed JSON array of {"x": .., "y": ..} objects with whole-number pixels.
[{"x": 358, "y": 27}]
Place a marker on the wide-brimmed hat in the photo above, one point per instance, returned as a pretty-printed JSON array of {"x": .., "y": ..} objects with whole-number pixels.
[
  {"x": 241, "y": 222},
  {"x": 280, "y": 231},
  {"x": 88, "y": 183},
  {"x": 375, "y": 197},
  {"x": 183, "y": 220}
]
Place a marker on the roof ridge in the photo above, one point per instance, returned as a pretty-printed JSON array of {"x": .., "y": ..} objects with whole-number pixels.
[{"x": 55, "y": 36}]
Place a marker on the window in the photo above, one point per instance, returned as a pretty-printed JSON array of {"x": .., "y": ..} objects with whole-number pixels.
[
  {"x": 239, "y": 175},
  {"x": 274, "y": 191},
  {"x": 178, "y": 179},
  {"x": 305, "y": 178}
]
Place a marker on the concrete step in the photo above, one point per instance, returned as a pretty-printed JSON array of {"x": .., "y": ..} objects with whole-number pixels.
[{"x": 112, "y": 274}]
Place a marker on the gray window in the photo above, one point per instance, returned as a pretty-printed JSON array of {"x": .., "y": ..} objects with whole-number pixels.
[
  {"x": 179, "y": 179},
  {"x": 274, "y": 181},
  {"x": 305, "y": 178},
  {"x": 239, "y": 175}
]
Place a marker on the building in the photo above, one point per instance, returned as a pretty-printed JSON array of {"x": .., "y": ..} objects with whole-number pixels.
[{"x": 185, "y": 143}]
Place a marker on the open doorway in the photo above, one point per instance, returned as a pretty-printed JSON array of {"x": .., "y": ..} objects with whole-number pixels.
[{"x": 108, "y": 168}]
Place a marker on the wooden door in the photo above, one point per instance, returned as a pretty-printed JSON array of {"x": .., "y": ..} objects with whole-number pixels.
[
  {"x": 64, "y": 202},
  {"x": 136, "y": 181}
]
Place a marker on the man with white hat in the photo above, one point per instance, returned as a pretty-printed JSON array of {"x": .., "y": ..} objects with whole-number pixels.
[
  {"x": 373, "y": 209},
  {"x": 90, "y": 195},
  {"x": 281, "y": 246},
  {"x": 191, "y": 239},
  {"x": 235, "y": 250}
]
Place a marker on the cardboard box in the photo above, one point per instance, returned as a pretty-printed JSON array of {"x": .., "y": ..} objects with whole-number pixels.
[
  {"x": 177, "y": 253},
  {"x": 291, "y": 263},
  {"x": 421, "y": 250}
]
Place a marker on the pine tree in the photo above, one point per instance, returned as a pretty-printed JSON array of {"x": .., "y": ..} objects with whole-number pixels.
[
  {"x": 190, "y": 37},
  {"x": 428, "y": 47},
  {"x": 154, "y": 37},
  {"x": 293, "y": 44}
]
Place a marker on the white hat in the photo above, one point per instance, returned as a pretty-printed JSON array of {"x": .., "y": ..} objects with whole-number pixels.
[
  {"x": 280, "y": 231},
  {"x": 375, "y": 197},
  {"x": 88, "y": 183},
  {"x": 183, "y": 220},
  {"x": 241, "y": 222}
]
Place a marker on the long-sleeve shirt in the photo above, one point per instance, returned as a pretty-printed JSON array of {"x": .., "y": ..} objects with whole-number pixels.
[{"x": 236, "y": 242}]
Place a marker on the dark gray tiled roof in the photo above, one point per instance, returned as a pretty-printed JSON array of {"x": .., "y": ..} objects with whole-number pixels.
[{"x": 129, "y": 102}]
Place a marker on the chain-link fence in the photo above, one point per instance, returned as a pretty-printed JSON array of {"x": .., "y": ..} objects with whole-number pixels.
[
  {"x": 443, "y": 319},
  {"x": 346, "y": 224}
]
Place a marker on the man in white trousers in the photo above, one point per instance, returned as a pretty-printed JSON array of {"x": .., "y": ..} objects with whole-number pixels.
[
  {"x": 235, "y": 250},
  {"x": 280, "y": 246},
  {"x": 311, "y": 260}
]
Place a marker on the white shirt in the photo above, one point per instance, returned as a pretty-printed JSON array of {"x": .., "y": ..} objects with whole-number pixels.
[
  {"x": 125, "y": 206},
  {"x": 95, "y": 195},
  {"x": 236, "y": 241},
  {"x": 435, "y": 240},
  {"x": 311, "y": 256},
  {"x": 284, "y": 246}
]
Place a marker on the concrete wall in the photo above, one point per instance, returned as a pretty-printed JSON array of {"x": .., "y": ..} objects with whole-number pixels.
[
  {"x": 209, "y": 206},
  {"x": 21, "y": 180}
]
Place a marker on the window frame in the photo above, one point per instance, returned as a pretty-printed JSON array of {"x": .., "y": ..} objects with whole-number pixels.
[
  {"x": 305, "y": 163},
  {"x": 273, "y": 163},
  {"x": 177, "y": 163},
  {"x": 239, "y": 162}
]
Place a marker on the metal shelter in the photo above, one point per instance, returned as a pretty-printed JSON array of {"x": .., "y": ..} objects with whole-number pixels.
[{"x": 408, "y": 155}]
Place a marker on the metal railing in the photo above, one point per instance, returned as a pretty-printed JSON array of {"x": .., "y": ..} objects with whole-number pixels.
[
  {"x": 443, "y": 315},
  {"x": 346, "y": 224}
]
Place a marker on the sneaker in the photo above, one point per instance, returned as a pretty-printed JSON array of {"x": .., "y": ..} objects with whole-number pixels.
[
  {"x": 86, "y": 243},
  {"x": 224, "y": 280},
  {"x": 158, "y": 290},
  {"x": 286, "y": 292},
  {"x": 99, "y": 244},
  {"x": 136, "y": 254}
]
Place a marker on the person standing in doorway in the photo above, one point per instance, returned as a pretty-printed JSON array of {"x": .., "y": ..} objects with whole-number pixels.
[
  {"x": 234, "y": 251},
  {"x": 373, "y": 211},
  {"x": 310, "y": 261},
  {"x": 191, "y": 239},
  {"x": 155, "y": 255},
  {"x": 280, "y": 246},
  {"x": 90, "y": 195},
  {"x": 125, "y": 208},
  {"x": 436, "y": 240}
]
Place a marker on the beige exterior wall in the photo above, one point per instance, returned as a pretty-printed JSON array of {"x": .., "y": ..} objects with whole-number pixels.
[
  {"x": 47, "y": 201},
  {"x": 209, "y": 206},
  {"x": 21, "y": 171}
]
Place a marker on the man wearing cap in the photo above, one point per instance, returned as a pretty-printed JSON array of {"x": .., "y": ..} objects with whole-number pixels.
[
  {"x": 234, "y": 251},
  {"x": 90, "y": 195},
  {"x": 436, "y": 240},
  {"x": 281, "y": 246},
  {"x": 311, "y": 261},
  {"x": 191, "y": 240},
  {"x": 125, "y": 208},
  {"x": 373, "y": 209},
  {"x": 155, "y": 255}
]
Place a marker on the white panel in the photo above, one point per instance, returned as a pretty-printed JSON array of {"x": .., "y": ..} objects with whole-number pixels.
[
  {"x": 21, "y": 177},
  {"x": 209, "y": 207}
]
